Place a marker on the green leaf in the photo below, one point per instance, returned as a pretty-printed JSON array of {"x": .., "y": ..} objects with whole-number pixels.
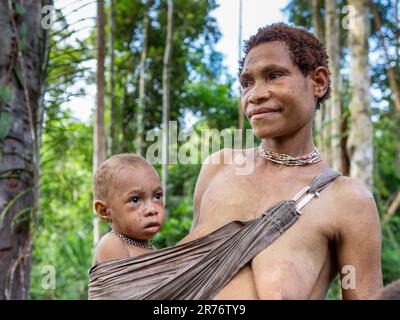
[
  {"x": 23, "y": 30},
  {"x": 5, "y": 93},
  {"x": 24, "y": 45},
  {"x": 4, "y": 124},
  {"x": 20, "y": 9},
  {"x": 18, "y": 73},
  {"x": 21, "y": 216},
  {"x": 10, "y": 204}
]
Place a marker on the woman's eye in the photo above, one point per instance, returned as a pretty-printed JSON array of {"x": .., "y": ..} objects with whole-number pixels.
[
  {"x": 135, "y": 200},
  {"x": 274, "y": 75}
]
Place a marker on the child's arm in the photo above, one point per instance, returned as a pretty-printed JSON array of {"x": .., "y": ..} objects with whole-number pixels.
[{"x": 110, "y": 248}]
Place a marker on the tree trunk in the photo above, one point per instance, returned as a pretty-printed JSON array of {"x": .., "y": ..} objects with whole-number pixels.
[
  {"x": 240, "y": 113},
  {"x": 392, "y": 208},
  {"x": 397, "y": 31},
  {"x": 315, "y": 20},
  {"x": 141, "y": 103},
  {"x": 390, "y": 71},
  {"x": 319, "y": 115},
  {"x": 166, "y": 100},
  {"x": 99, "y": 135},
  {"x": 113, "y": 142},
  {"x": 124, "y": 123},
  {"x": 345, "y": 161},
  {"x": 23, "y": 61},
  {"x": 334, "y": 104},
  {"x": 360, "y": 141}
]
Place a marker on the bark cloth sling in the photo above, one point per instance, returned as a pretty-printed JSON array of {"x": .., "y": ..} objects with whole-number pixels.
[{"x": 199, "y": 269}]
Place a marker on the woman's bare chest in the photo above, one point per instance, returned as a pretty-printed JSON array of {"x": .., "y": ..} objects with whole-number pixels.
[{"x": 230, "y": 197}]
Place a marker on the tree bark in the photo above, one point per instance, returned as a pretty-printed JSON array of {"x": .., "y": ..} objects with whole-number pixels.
[
  {"x": 345, "y": 161},
  {"x": 390, "y": 71},
  {"x": 397, "y": 31},
  {"x": 334, "y": 103},
  {"x": 166, "y": 99},
  {"x": 392, "y": 208},
  {"x": 113, "y": 142},
  {"x": 315, "y": 20},
  {"x": 99, "y": 132},
  {"x": 23, "y": 53},
  {"x": 320, "y": 114},
  {"x": 360, "y": 141},
  {"x": 141, "y": 103},
  {"x": 241, "y": 117},
  {"x": 125, "y": 114}
]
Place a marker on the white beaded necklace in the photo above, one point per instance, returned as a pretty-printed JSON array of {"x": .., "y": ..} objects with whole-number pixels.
[{"x": 288, "y": 160}]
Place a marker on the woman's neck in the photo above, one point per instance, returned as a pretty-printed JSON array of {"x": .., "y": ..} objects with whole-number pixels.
[{"x": 295, "y": 145}]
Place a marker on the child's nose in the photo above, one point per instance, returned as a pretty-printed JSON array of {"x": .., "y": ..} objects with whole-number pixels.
[{"x": 151, "y": 210}]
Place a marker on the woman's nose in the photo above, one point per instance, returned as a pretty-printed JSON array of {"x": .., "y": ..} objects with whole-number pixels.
[{"x": 258, "y": 94}]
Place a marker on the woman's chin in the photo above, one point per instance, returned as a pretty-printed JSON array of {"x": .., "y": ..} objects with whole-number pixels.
[{"x": 262, "y": 133}]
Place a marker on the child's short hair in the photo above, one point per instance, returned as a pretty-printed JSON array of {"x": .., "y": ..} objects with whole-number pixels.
[{"x": 106, "y": 171}]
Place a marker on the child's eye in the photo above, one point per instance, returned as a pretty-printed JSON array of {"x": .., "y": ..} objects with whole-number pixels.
[
  {"x": 134, "y": 200},
  {"x": 158, "y": 196},
  {"x": 245, "y": 84}
]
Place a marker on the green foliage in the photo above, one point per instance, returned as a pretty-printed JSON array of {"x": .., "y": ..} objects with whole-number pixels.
[
  {"x": 63, "y": 232},
  {"x": 20, "y": 9},
  {"x": 5, "y": 93},
  {"x": 214, "y": 101},
  {"x": 194, "y": 60},
  {"x": 391, "y": 251},
  {"x": 335, "y": 291},
  {"x": 10, "y": 204},
  {"x": 4, "y": 124}
]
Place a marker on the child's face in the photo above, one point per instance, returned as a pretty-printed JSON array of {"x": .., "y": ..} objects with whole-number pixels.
[{"x": 135, "y": 203}]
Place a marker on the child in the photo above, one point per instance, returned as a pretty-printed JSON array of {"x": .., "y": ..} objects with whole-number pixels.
[{"x": 127, "y": 194}]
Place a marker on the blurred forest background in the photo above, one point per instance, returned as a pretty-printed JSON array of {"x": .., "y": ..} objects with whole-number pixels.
[{"x": 154, "y": 61}]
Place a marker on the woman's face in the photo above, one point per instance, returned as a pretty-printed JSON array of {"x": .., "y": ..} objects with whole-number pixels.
[{"x": 276, "y": 96}]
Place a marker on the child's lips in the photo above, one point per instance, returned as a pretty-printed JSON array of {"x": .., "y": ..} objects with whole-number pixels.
[{"x": 153, "y": 227}]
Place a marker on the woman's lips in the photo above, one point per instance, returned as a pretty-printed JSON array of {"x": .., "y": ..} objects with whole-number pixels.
[{"x": 264, "y": 115}]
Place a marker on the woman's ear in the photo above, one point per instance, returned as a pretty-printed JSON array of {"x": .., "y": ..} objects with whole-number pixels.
[
  {"x": 102, "y": 210},
  {"x": 320, "y": 77}
]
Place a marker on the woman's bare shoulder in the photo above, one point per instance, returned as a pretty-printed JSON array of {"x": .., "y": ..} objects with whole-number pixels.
[
  {"x": 353, "y": 204},
  {"x": 351, "y": 190}
]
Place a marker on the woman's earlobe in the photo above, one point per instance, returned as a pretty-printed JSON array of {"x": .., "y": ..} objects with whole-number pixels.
[
  {"x": 319, "y": 92},
  {"x": 321, "y": 81}
]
